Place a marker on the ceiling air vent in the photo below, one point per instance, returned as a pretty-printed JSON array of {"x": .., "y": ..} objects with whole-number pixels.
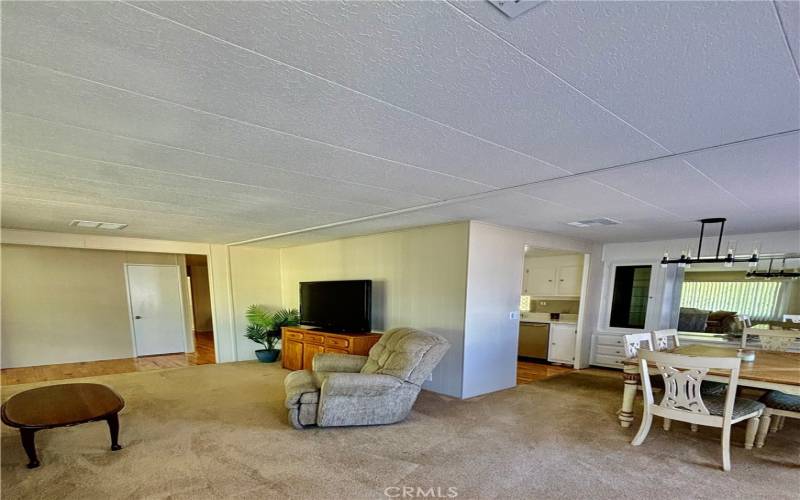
[
  {"x": 602, "y": 221},
  {"x": 513, "y": 8},
  {"x": 90, "y": 224}
]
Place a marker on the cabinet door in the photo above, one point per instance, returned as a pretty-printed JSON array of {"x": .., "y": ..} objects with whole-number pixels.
[
  {"x": 309, "y": 351},
  {"x": 569, "y": 280},
  {"x": 541, "y": 281},
  {"x": 292, "y": 355},
  {"x": 562, "y": 343}
]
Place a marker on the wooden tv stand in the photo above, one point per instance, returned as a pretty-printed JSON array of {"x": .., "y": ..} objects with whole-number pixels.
[{"x": 299, "y": 345}]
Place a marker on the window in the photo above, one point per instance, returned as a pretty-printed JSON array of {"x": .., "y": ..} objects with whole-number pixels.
[
  {"x": 630, "y": 296},
  {"x": 757, "y": 299}
]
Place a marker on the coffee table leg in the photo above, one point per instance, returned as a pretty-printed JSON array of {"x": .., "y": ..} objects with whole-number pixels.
[
  {"x": 113, "y": 427},
  {"x": 28, "y": 443}
]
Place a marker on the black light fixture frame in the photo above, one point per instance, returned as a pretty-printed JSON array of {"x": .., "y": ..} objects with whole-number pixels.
[{"x": 727, "y": 259}]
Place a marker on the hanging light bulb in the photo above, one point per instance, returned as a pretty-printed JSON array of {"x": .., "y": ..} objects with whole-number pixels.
[
  {"x": 682, "y": 260},
  {"x": 753, "y": 260},
  {"x": 730, "y": 255}
]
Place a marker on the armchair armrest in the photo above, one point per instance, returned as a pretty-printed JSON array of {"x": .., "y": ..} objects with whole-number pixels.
[
  {"x": 359, "y": 384},
  {"x": 347, "y": 363}
]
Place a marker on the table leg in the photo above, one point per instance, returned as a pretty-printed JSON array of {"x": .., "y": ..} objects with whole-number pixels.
[
  {"x": 28, "y": 443},
  {"x": 113, "y": 427},
  {"x": 630, "y": 375}
]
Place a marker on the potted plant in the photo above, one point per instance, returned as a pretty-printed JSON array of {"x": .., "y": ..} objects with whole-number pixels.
[{"x": 265, "y": 328}]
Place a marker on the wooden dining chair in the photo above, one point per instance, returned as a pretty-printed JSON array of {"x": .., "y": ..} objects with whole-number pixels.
[
  {"x": 684, "y": 402},
  {"x": 779, "y": 405}
]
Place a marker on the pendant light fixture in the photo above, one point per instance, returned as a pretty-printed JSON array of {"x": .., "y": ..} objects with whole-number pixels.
[{"x": 728, "y": 260}]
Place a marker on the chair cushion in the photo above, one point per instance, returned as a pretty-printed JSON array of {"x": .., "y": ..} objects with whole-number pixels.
[
  {"x": 781, "y": 401},
  {"x": 709, "y": 388},
  {"x": 741, "y": 406}
]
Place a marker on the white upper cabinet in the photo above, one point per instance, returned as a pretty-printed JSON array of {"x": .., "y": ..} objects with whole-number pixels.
[
  {"x": 569, "y": 280},
  {"x": 559, "y": 276}
]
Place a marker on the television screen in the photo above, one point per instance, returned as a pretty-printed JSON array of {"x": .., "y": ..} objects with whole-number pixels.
[{"x": 337, "y": 305}]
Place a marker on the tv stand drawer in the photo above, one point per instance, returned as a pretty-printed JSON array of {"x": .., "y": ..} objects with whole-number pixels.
[
  {"x": 314, "y": 338},
  {"x": 294, "y": 336},
  {"x": 340, "y": 342}
]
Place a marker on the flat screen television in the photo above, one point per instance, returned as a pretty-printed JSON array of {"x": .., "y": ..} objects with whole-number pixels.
[{"x": 337, "y": 305}]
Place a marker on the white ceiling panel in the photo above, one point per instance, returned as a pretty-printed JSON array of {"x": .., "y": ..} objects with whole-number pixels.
[
  {"x": 789, "y": 13},
  {"x": 119, "y": 153},
  {"x": 221, "y": 122},
  {"x": 674, "y": 186},
  {"x": 597, "y": 200},
  {"x": 34, "y": 92},
  {"x": 57, "y": 169},
  {"x": 766, "y": 174},
  {"x": 427, "y": 58},
  {"x": 689, "y": 74},
  {"x": 118, "y": 45},
  {"x": 48, "y": 215}
]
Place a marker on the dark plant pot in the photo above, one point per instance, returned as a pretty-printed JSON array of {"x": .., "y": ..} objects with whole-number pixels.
[{"x": 267, "y": 355}]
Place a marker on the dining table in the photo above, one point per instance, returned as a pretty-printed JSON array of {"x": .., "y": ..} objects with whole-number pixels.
[{"x": 769, "y": 370}]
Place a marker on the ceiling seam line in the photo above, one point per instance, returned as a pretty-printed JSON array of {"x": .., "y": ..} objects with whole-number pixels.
[
  {"x": 349, "y": 89},
  {"x": 589, "y": 98},
  {"x": 240, "y": 122},
  {"x": 233, "y": 160},
  {"x": 792, "y": 55},
  {"x": 263, "y": 188},
  {"x": 467, "y": 198}
]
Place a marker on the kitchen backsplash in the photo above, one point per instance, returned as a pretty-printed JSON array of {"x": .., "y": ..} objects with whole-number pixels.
[{"x": 555, "y": 306}]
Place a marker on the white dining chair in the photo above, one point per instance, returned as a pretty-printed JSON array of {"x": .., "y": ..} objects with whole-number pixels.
[
  {"x": 633, "y": 342},
  {"x": 684, "y": 402},
  {"x": 779, "y": 405},
  {"x": 665, "y": 339}
]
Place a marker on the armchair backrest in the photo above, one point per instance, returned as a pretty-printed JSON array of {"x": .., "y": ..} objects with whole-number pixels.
[{"x": 406, "y": 353}]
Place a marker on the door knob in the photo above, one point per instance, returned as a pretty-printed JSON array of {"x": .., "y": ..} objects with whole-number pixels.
[{"x": 137, "y": 317}]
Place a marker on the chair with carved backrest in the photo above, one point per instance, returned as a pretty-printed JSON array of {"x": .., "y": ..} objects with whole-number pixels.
[
  {"x": 663, "y": 340},
  {"x": 683, "y": 400},
  {"x": 779, "y": 404}
]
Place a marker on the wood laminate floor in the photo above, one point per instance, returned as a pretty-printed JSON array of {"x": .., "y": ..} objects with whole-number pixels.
[
  {"x": 203, "y": 355},
  {"x": 528, "y": 371}
]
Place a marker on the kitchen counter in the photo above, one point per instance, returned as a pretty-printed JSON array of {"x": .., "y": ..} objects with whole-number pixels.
[
  {"x": 550, "y": 321},
  {"x": 534, "y": 317}
]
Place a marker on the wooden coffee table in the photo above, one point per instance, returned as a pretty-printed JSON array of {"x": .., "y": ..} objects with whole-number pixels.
[{"x": 61, "y": 405}]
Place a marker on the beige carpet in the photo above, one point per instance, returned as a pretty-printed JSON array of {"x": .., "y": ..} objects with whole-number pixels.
[{"x": 220, "y": 431}]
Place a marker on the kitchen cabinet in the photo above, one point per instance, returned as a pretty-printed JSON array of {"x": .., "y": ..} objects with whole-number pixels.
[
  {"x": 562, "y": 343},
  {"x": 541, "y": 280},
  {"x": 569, "y": 280},
  {"x": 559, "y": 276}
]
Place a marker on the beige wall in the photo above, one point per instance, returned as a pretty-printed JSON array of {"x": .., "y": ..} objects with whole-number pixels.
[
  {"x": 201, "y": 298},
  {"x": 418, "y": 278},
  {"x": 255, "y": 279},
  {"x": 63, "y": 305}
]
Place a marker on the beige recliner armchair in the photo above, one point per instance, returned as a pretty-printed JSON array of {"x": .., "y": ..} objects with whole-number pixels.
[{"x": 381, "y": 388}]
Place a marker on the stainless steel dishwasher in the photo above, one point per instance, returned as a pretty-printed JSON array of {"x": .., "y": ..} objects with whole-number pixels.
[{"x": 533, "y": 340}]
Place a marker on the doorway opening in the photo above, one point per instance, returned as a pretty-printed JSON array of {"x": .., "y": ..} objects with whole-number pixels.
[
  {"x": 550, "y": 307},
  {"x": 199, "y": 297}
]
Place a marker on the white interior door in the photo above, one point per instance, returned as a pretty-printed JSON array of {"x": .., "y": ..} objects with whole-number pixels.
[{"x": 154, "y": 294}]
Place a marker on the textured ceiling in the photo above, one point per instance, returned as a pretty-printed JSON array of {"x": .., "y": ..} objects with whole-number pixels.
[{"x": 222, "y": 122}]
